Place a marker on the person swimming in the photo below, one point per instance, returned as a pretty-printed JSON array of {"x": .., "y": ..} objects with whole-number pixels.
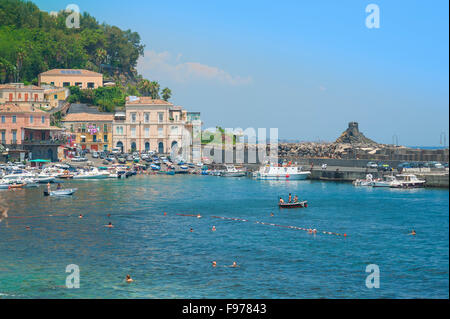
[
  {"x": 214, "y": 264},
  {"x": 110, "y": 225},
  {"x": 271, "y": 214},
  {"x": 128, "y": 279},
  {"x": 81, "y": 216},
  {"x": 213, "y": 228},
  {"x": 191, "y": 230},
  {"x": 199, "y": 216},
  {"x": 234, "y": 265},
  {"x": 281, "y": 201},
  {"x": 413, "y": 233}
]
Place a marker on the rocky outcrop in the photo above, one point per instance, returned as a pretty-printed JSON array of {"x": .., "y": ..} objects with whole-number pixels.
[{"x": 353, "y": 136}]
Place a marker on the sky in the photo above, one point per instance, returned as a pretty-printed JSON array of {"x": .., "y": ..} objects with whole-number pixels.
[{"x": 304, "y": 67}]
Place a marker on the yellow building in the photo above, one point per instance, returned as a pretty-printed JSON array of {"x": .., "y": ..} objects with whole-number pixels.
[
  {"x": 85, "y": 79},
  {"x": 90, "y": 131},
  {"x": 54, "y": 95}
]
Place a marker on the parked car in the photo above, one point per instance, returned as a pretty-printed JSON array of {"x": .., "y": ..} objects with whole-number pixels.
[
  {"x": 95, "y": 154},
  {"x": 79, "y": 159},
  {"x": 372, "y": 165},
  {"x": 116, "y": 151}
]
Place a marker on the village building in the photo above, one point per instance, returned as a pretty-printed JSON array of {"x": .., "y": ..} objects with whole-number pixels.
[
  {"x": 149, "y": 124},
  {"x": 26, "y": 129},
  {"x": 85, "y": 79},
  {"x": 89, "y": 131}
]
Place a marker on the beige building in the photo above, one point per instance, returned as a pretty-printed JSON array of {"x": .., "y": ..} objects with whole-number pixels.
[
  {"x": 20, "y": 94},
  {"x": 85, "y": 79},
  {"x": 149, "y": 125}
]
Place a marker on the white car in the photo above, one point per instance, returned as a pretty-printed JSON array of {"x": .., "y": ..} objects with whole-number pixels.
[
  {"x": 372, "y": 165},
  {"x": 116, "y": 151}
]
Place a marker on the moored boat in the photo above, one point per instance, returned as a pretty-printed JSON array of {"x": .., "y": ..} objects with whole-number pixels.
[
  {"x": 281, "y": 173},
  {"x": 410, "y": 181},
  {"x": 60, "y": 192},
  {"x": 232, "y": 171}
]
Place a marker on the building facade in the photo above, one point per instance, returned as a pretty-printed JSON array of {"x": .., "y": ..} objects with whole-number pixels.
[
  {"x": 149, "y": 125},
  {"x": 27, "y": 128},
  {"x": 89, "y": 131},
  {"x": 85, "y": 79}
]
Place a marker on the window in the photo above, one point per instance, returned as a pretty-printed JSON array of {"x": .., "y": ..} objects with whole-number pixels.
[
  {"x": 105, "y": 138},
  {"x": 105, "y": 128},
  {"x": 3, "y": 137},
  {"x": 119, "y": 130},
  {"x": 79, "y": 84},
  {"x": 83, "y": 128},
  {"x": 43, "y": 119},
  {"x": 147, "y": 132},
  {"x": 14, "y": 119},
  {"x": 133, "y": 117},
  {"x": 160, "y": 117},
  {"x": 83, "y": 140},
  {"x": 160, "y": 132},
  {"x": 26, "y": 96},
  {"x": 133, "y": 132},
  {"x": 147, "y": 118},
  {"x": 94, "y": 138},
  {"x": 71, "y": 128},
  {"x": 174, "y": 130},
  {"x": 52, "y": 83},
  {"x": 31, "y": 119},
  {"x": 14, "y": 137},
  {"x": 3, "y": 119},
  {"x": 66, "y": 84},
  {"x": 31, "y": 136},
  {"x": 55, "y": 96},
  {"x": 91, "y": 85}
]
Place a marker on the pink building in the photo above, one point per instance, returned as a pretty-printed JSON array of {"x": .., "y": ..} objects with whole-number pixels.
[{"x": 27, "y": 128}]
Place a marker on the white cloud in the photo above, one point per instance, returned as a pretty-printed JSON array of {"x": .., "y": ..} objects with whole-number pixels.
[{"x": 163, "y": 66}]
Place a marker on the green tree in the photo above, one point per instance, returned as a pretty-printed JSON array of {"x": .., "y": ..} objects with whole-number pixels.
[{"x": 166, "y": 94}]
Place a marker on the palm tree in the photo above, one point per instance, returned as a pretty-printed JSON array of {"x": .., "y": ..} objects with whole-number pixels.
[
  {"x": 144, "y": 87},
  {"x": 154, "y": 90},
  {"x": 166, "y": 94}
]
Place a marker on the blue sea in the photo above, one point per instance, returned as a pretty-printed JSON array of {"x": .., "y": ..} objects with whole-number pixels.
[{"x": 167, "y": 260}]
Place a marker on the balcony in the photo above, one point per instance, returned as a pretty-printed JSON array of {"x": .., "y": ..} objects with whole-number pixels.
[{"x": 45, "y": 142}]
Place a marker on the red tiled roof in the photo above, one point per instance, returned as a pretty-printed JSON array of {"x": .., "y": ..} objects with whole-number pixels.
[
  {"x": 71, "y": 72},
  {"x": 24, "y": 108},
  {"x": 147, "y": 100},
  {"x": 88, "y": 117}
]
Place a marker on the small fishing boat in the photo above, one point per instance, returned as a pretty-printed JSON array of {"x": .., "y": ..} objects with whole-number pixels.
[
  {"x": 303, "y": 204},
  {"x": 61, "y": 192},
  {"x": 232, "y": 171},
  {"x": 170, "y": 172},
  {"x": 364, "y": 182}
]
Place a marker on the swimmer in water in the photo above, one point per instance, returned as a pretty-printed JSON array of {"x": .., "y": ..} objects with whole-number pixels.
[
  {"x": 165, "y": 214},
  {"x": 271, "y": 214},
  {"x": 213, "y": 228},
  {"x": 314, "y": 231},
  {"x": 281, "y": 201},
  {"x": 128, "y": 279},
  {"x": 199, "y": 216},
  {"x": 413, "y": 233},
  {"x": 191, "y": 230},
  {"x": 234, "y": 265},
  {"x": 110, "y": 225},
  {"x": 214, "y": 264},
  {"x": 28, "y": 228},
  {"x": 109, "y": 215},
  {"x": 81, "y": 216}
]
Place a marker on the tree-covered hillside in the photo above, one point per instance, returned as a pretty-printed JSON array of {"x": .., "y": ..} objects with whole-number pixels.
[{"x": 33, "y": 41}]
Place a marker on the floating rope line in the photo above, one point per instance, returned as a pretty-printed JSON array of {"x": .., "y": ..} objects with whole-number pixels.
[
  {"x": 190, "y": 215},
  {"x": 23, "y": 217},
  {"x": 284, "y": 226}
]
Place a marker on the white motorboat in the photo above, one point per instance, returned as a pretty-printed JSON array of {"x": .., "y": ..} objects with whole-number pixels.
[
  {"x": 44, "y": 179},
  {"x": 364, "y": 182},
  {"x": 388, "y": 181},
  {"x": 93, "y": 174},
  {"x": 61, "y": 192},
  {"x": 410, "y": 181},
  {"x": 281, "y": 173},
  {"x": 232, "y": 171}
]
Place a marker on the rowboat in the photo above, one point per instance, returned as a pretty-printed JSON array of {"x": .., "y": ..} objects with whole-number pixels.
[
  {"x": 303, "y": 204},
  {"x": 61, "y": 192}
]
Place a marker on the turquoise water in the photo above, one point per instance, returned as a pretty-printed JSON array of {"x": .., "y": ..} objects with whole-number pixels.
[{"x": 166, "y": 260}]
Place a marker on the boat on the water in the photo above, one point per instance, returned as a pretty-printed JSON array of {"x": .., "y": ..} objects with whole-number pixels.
[
  {"x": 60, "y": 192},
  {"x": 232, "y": 171},
  {"x": 387, "y": 181},
  {"x": 302, "y": 204},
  {"x": 410, "y": 181},
  {"x": 364, "y": 182},
  {"x": 281, "y": 173},
  {"x": 92, "y": 174}
]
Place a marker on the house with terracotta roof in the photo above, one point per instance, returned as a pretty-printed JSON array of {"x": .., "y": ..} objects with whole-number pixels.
[
  {"x": 85, "y": 79},
  {"x": 26, "y": 128},
  {"x": 21, "y": 94},
  {"x": 89, "y": 131},
  {"x": 149, "y": 125}
]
